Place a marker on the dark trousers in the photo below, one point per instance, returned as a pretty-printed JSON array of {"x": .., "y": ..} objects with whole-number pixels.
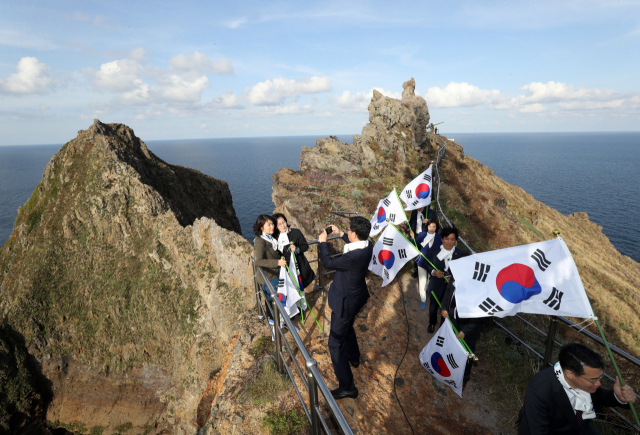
[
  {"x": 471, "y": 342},
  {"x": 434, "y": 308},
  {"x": 343, "y": 347}
]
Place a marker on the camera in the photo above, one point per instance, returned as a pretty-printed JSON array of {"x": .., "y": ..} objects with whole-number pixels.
[{"x": 328, "y": 230}]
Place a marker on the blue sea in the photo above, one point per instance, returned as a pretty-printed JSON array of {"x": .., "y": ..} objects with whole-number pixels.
[{"x": 591, "y": 172}]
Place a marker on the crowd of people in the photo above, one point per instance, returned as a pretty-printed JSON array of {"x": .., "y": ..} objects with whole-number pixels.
[{"x": 559, "y": 400}]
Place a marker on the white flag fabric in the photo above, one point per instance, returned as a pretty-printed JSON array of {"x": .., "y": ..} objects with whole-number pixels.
[
  {"x": 293, "y": 266},
  {"x": 389, "y": 210},
  {"x": 417, "y": 194},
  {"x": 540, "y": 278},
  {"x": 390, "y": 253},
  {"x": 287, "y": 291},
  {"x": 445, "y": 358}
]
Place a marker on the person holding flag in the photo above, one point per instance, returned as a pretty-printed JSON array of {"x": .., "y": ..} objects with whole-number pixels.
[
  {"x": 564, "y": 399},
  {"x": 426, "y": 241},
  {"x": 347, "y": 295},
  {"x": 438, "y": 268},
  {"x": 291, "y": 240}
]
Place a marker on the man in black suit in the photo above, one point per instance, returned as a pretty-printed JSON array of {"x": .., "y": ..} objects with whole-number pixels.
[
  {"x": 417, "y": 223},
  {"x": 565, "y": 398},
  {"x": 440, "y": 259},
  {"x": 347, "y": 295}
]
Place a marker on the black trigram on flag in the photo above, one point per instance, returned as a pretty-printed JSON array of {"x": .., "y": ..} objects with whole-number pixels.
[
  {"x": 542, "y": 261},
  {"x": 392, "y": 217},
  {"x": 415, "y": 202},
  {"x": 402, "y": 253},
  {"x": 452, "y": 361},
  {"x": 554, "y": 299},
  {"x": 427, "y": 177},
  {"x": 281, "y": 283},
  {"x": 386, "y": 273},
  {"x": 373, "y": 258},
  {"x": 386, "y": 202},
  {"x": 409, "y": 193},
  {"x": 376, "y": 226},
  {"x": 450, "y": 382},
  {"x": 440, "y": 341},
  {"x": 387, "y": 241},
  {"x": 481, "y": 271},
  {"x": 490, "y": 307}
]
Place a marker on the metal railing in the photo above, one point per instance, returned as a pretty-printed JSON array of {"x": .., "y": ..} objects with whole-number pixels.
[
  {"x": 554, "y": 321},
  {"x": 312, "y": 379}
]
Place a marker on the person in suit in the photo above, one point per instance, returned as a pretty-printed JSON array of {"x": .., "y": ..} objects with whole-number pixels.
[
  {"x": 292, "y": 240},
  {"x": 563, "y": 399},
  {"x": 468, "y": 329},
  {"x": 266, "y": 256},
  {"x": 425, "y": 241},
  {"x": 440, "y": 274},
  {"x": 347, "y": 295},
  {"x": 418, "y": 223}
]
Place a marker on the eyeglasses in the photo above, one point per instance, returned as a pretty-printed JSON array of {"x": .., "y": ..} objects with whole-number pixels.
[{"x": 593, "y": 380}]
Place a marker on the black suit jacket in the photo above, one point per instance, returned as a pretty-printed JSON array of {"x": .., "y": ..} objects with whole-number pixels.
[
  {"x": 348, "y": 292},
  {"x": 430, "y": 214},
  {"x": 297, "y": 238},
  {"x": 547, "y": 409},
  {"x": 438, "y": 284},
  {"x": 472, "y": 327}
]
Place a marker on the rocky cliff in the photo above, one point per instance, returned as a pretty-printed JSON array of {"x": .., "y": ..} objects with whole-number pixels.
[
  {"x": 123, "y": 280},
  {"x": 490, "y": 213}
]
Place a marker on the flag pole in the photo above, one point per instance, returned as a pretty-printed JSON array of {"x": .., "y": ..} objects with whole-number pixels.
[
  {"x": 464, "y": 343},
  {"x": 305, "y": 299}
]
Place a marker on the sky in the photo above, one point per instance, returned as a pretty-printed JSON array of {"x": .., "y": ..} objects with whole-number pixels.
[{"x": 194, "y": 70}]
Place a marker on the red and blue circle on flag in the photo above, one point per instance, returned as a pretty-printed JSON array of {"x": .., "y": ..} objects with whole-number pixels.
[
  {"x": 422, "y": 191},
  {"x": 517, "y": 283},
  {"x": 386, "y": 258},
  {"x": 439, "y": 365},
  {"x": 382, "y": 215}
]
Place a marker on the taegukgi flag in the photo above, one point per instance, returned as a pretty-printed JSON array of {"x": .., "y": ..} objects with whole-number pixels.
[
  {"x": 390, "y": 253},
  {"x": 297, "y": 278},
  {"x": 540, "y": 278},
  {"x": 445, "y": 358},
  {"x": 389, "y": 210},
  {"x": 287, "y": 290},
  {"x": 417, "y": 194}
]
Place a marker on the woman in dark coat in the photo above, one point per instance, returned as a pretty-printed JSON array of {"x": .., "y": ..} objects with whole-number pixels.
[
  {"x": 427, "y": 240},
  {"x": 266, "y": 254},
  {"x": 291, "y": 240}
]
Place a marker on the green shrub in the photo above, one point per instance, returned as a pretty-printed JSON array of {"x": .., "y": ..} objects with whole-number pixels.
[{"x": 293, "y": 422}]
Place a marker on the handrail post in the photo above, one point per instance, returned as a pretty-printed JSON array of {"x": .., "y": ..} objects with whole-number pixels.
[
  {"x": 313, "y": 399},
  {"x": 551, "y": 336},
  {"x": 276, "y": 331},
  {"x": 257, "y": 288}
]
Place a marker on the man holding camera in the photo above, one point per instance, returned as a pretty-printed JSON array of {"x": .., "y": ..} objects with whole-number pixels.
[{"x": 347, "y": 295}]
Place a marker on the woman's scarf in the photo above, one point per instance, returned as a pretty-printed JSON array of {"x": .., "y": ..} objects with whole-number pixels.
[
  {"x": 429, "y": 237},
  {"x": 445, "y": 256},
  {"x": 580, "y": 399},
  {"x": 271, "y": 240},
  {"x": 283, "y": 240},
  {"x": 355, "y": 245}
]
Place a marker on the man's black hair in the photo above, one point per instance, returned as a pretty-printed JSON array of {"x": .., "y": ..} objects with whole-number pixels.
[
  {"x": 361, "y": 226},
  {"x": 574, "y": 356},
  {"x": 448, "y": 231}
]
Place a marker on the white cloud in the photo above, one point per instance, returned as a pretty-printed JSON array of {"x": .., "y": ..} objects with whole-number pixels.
[
  {"x": 200, "y": 62},
  {"x": 122, "y": 75},
  {"x": 32, "y": 77},
  {"x": 271, "y": 93},
  {"x": 291, "y": 109},
  {"x": 533, "y": 108},
  {"x": 228, "y": 100},
  {"x": 460, "y": 95}
]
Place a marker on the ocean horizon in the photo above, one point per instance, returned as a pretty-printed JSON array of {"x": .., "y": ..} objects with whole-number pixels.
[{"x": 590, "y": 172}]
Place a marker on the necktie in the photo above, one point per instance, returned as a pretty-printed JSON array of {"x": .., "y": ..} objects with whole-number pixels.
[{"x": 579, "y": 418}]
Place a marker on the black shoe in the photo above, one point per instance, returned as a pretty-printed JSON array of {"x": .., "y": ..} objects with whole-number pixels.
[
  {"x": 341, "y": 394},
  {"x": 355, "y": 363},
  {"x": 431, "y": 328}
]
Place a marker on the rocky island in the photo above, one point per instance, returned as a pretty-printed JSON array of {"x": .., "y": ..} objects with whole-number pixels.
[{"x": 127, "y": 290}]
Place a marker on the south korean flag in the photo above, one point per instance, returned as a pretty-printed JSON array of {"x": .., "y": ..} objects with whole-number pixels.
[
  {"x": 540, "y": 278},
  {"x": 445, "y": 358},
  {"x": 391, "y": 252},
  {"x": 288, "y": 291},
  {"x": 417, "y": 194},
  {"x": 389, "y": 210}
]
